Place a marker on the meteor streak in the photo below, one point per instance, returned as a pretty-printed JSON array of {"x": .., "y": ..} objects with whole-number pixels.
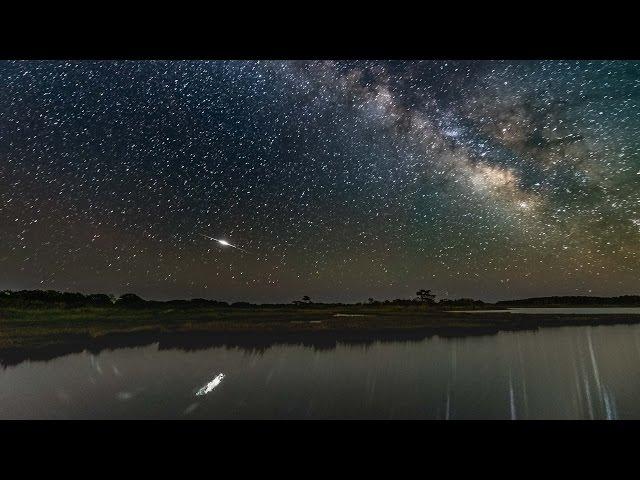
[{"x": 224, "y": 243}]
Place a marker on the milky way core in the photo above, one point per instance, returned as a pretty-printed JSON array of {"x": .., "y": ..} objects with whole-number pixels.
[{"x": 345, "y": 180}]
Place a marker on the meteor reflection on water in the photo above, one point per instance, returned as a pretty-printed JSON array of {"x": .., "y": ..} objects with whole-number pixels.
[{"x": 211, "y": 385}]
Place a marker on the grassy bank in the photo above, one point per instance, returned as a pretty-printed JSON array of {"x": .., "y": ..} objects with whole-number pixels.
[
  {"x": 35, "y": 326},
  {"x": 30, "y": 328}
]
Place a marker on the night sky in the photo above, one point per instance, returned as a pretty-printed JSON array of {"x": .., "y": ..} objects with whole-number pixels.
[{"x": 338, "y": 180}]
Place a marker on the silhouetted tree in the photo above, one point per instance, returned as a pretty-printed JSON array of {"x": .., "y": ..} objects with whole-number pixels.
[
  {"x": 130, "y": 300},
  {"x": 306, "y": 299},
  {"x": 98, "y": 300},
  {"x": 425, "y": 296},
  {"x": 242, "y": 304}
]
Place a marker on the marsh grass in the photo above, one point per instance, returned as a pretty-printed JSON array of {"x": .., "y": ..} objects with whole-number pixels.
[{"x": 38, "y": 327}]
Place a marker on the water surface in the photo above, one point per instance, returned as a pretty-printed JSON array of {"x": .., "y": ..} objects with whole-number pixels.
[{"x": 550, "y": 373}]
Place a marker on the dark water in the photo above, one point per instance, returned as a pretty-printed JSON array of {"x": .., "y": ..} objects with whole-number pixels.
[{"x": 551, "y": 373}]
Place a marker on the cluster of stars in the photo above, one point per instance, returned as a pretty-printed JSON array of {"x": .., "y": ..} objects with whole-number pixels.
[{"x": 340, "y": 180}]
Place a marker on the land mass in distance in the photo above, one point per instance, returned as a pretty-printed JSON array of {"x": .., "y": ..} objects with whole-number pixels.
[{"x": 42, "y": 320}]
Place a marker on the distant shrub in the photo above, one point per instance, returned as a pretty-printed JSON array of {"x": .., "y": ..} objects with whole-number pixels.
[
  {"x": 130, "y": 300},
  {"x": 242, "y": 305}
]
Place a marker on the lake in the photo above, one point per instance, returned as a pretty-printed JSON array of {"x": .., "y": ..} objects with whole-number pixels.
[{"x": 550, "y": 373}]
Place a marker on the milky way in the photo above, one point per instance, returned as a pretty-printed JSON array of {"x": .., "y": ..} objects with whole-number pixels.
[{"x": 343, "y": 180}]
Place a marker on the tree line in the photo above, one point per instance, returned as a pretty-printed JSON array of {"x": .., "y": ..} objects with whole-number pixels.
[
  {"x": 55, "y": 299},
  {"x": 571, "y": 300}
]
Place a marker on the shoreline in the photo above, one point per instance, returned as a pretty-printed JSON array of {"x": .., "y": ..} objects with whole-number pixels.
[{"x": 45, "y": 335}]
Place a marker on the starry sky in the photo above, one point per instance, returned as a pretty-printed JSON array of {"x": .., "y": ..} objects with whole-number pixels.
[{"x": 341, "y": 180}]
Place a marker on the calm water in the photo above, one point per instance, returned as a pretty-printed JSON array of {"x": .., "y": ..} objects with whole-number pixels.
[{"x": 551, "y": 373}]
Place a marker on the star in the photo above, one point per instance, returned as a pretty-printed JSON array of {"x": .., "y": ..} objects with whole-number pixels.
[{"x": 341, "y": 180}]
